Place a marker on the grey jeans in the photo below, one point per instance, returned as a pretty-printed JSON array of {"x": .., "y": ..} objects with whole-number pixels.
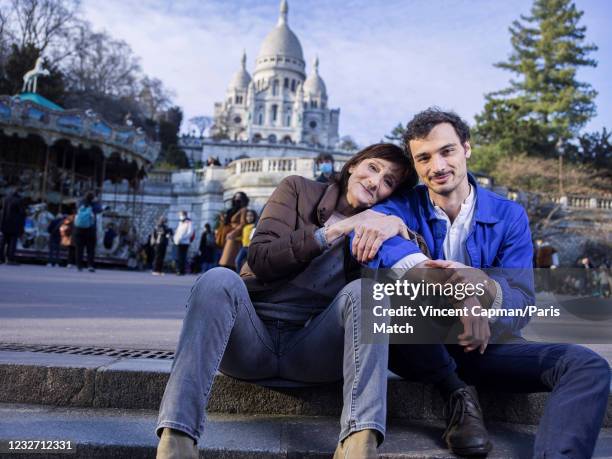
[{"x": 222, "y": 331}]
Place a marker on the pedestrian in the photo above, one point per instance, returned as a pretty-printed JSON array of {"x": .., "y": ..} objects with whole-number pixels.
[
  {"x": 325, "y": 165},
  {"x": 85, "y": 231},
  {"x": 12, "y": 223},
  {"x": 183, "y": 236},
  {"x": 55, "y": 239},
  {"x": 159, "y": 240},
  {"x": 584, "y": 275},
  {"x": 235, "y": 219},
  {"x": 66, "y": 239},
  {"x": 247, "y": 235},
  {"x": 208, "y": 249},
  {"x": 546, "y": 259}
]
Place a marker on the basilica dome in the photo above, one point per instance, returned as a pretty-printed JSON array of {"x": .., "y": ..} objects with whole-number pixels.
[
  {"x": 314, "y": 84},
  {"x": 241, "y": 78},
  {"x": 281, "y": 41}
]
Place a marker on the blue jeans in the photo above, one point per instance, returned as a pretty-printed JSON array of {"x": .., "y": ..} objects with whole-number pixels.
[
  {"x": 222, "y": 331},
  {"x": 54, "y": 252},
  {"x": 241, "y": 257},
  {"x": 578, "y": 379}
]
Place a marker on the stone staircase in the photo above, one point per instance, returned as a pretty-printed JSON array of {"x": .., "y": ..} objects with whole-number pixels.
[{"x": 107, "y": 407}]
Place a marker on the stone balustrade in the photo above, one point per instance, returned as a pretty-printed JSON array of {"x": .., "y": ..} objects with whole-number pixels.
[{"x": 584, "y": 202}]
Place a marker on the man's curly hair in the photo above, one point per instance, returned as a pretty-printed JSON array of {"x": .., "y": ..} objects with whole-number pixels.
[{"x": 421, "y": 125}]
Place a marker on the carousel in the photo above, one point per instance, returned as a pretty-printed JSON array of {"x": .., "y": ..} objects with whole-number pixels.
[{"x": 55, "y": 156}]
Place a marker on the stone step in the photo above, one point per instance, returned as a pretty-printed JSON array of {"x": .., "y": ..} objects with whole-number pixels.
[
  {"x": 108, "y": 382},
  {"x": 108, "y": 433}
]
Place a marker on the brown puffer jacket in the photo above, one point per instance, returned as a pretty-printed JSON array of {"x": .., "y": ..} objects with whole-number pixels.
[{"x": 284, "y": 242}]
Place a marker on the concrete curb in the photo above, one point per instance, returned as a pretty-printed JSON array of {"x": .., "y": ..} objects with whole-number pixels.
[{"x": 108, "y": 382}]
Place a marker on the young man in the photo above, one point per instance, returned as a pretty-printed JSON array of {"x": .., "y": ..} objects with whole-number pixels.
[{"x": 471, "y": 229}]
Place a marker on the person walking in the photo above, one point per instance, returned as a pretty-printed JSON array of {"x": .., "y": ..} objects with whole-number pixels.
[
  {"x": 55, "y": 239},
  {"x": 66, "y": 240},
  {"x": 12, "y": 222},
  {"x": 235, "y": 219},
  {"x": 183, "y": 237},
  {"x": 247, "y": 235},
  {"x": 85, "y": 231},
  {"x": 159, "y": 240},
  {"x": 207, "y": 249}
]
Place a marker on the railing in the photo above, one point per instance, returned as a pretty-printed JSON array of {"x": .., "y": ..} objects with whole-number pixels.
[
  {"x": 264, "y": 165},
  {"x": 567, "y": 201},
  {"x": 584, "y": 202},
  {"x": 160, "y": 176}
]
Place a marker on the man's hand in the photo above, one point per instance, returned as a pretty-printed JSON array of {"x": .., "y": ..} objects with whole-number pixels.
[
  {"x": 372, "y": 230},
  {"x": 476, "y": 330},
  {"x": 462, "y": 274}
]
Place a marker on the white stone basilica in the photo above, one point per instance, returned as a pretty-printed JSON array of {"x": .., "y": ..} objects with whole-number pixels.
[
  {"x": 269, "y": 126},
  {"x": 278, "y": 104}
]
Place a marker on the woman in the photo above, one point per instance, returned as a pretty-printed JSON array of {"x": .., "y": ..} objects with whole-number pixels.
[
  {"x": 159, "y": 241},
  {"x": 247, "y": 235},
  {"x": 207, "y": 249},
  {"x": 294, "y": 314},
  {"x": 235, "y": 219}
]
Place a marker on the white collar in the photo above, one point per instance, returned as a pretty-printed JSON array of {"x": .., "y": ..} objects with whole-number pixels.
[{"x": 464, "y": 211}]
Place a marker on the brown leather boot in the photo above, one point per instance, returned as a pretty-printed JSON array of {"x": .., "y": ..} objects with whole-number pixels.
[
  {"x": 174, "y": 444},
  {"x": 358, "y": 445}
]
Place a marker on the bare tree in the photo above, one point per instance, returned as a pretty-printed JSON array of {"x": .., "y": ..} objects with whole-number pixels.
[
  {"x": 347, "y": 143},
  {"x": 39, "y": 22},
  {"x": 101, "y": 65},
  {"x": 4, "y": 38},
  {"x": 153, "y": 97},
  {"x": 201, "y": 123}
]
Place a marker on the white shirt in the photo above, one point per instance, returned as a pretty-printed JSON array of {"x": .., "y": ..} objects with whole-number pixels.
[{"x": 183, "y": 232}]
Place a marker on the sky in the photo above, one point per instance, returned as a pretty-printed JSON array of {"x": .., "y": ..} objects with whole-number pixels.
[{"x": 382, "y": 60}]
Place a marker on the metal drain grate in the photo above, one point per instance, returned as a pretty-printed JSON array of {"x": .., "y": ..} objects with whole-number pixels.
[{"x": 106, "y": 351}]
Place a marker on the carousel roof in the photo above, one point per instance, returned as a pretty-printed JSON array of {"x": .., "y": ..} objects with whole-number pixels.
[
  {"x": 37, "y": 99},
  {"x": 29, "y": 113}
]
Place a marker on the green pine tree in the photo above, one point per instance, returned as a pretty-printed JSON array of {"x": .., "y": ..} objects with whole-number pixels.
[
  {"x": 396, "y": 135},
  {"x": 544, "y": 103}
]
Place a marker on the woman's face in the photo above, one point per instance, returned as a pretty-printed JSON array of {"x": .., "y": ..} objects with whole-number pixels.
[
  {"x": 371, "y": 181},
  {"x": 250, "y": 217},
  {"x": 237, "y": 199}
]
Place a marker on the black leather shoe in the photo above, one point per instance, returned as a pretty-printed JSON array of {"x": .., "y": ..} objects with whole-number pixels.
[{"x": 466, "y": 434}]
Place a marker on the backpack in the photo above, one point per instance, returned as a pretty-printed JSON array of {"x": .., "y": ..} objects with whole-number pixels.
[{"x": 84, "y": 217}]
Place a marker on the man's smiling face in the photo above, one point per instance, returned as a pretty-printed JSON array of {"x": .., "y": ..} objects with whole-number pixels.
[{"x": 440, "y": 159}]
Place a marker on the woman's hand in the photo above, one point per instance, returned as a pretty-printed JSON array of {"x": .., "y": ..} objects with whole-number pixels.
[{"x": 372, "y": 229}]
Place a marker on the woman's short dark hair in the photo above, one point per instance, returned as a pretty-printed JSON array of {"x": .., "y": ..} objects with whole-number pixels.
[
  {"x": 387, "y": 151},
  {"x": 421, "y": 125}
]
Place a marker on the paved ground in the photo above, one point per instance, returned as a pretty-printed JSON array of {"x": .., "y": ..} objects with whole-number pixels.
[
  {"x": 112, "y": 308},
  {"x": 44, "y": 305}
]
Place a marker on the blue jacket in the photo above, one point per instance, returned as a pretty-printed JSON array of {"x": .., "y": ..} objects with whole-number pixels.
[{"x": 500, "y": 238}]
